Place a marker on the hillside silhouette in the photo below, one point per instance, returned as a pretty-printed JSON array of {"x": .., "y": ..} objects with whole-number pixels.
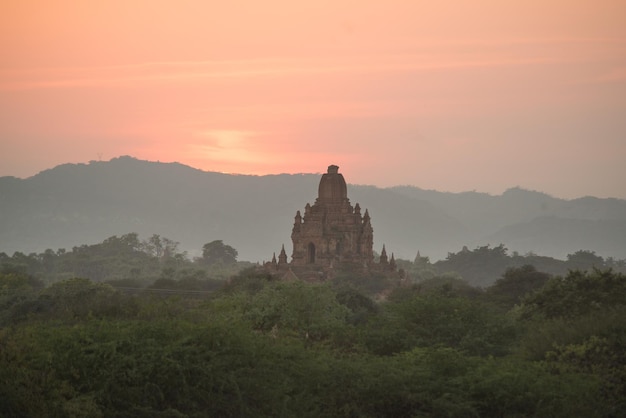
[{"x": 86, "y": 203}]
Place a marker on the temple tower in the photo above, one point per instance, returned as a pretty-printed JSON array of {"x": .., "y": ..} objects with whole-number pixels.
[{"x": 331, "y": 230}]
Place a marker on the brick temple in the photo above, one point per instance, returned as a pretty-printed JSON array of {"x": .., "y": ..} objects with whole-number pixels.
[{"x": 331, "y": 234}]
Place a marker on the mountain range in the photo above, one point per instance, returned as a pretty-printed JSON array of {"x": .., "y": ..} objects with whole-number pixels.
[{"x": 74, "y": 204}]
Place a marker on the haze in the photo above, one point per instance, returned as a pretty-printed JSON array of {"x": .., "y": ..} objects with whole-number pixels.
[{"x": 449, "y": 95}]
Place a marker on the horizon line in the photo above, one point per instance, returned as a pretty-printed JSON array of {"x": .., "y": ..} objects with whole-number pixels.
[{"x": 130, "y": 157}]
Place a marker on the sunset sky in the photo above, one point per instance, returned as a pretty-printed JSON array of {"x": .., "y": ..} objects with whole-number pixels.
[{"x": 449, "y": 95}]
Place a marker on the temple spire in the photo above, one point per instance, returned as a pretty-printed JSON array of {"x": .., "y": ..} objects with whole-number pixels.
[
  {"x": 282, "y": 257},
  {"x": 383, "y": 256},
  {"x": 366, "y": 217},
  {"x": 332, "y": 187}
]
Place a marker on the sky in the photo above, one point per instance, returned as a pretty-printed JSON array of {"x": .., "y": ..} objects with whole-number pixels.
[{"x": 448, "y": 95}]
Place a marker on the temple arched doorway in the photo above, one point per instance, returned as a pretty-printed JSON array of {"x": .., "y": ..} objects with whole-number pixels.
[{"x": 311, "y": 252}]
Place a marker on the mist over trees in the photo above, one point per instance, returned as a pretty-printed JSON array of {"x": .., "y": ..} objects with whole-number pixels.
[
  {"x": 86, "y": 203},
  {"x": 130, "y": 261},
  {"x": 139, "y": 262}
]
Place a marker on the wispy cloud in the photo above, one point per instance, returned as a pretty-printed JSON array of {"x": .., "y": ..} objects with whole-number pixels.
[
  {"x": 446, "y": 57},
  {"x": 105, "y": 78}
]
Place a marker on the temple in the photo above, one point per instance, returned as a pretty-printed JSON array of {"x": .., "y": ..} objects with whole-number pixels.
[{"x": 331, "y": 233}]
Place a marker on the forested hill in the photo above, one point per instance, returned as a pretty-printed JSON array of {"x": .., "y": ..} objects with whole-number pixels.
[{"x": 85, "y": 203}]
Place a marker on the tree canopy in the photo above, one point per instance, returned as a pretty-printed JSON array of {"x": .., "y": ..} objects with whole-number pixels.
[
  {"x": 216, "y": 252},
  {"x": 151, "y": 333},
  {"x": 265, "y": 348}
]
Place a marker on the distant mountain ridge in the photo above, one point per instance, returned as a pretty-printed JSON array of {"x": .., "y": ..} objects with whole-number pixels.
[{"x": 75, "y": 204}]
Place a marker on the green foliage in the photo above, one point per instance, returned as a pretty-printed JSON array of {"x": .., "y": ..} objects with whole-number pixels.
[
  {"x": 435, "y": 320},
  {"x": 147, "y": 369},
  {"x": 515, "y": 284},
  {"x": 509, "y": 387},
  {"x": 592, "y": 344},
  {"x": 370, "y": 283},
  {"x": 189, "y": 284},
  {"x": 216, "y": 252},
  {"x": 177, "y": 368},
  {"x": 16, "y": 291},
  {"x": 479, "y": 267},
  {"x": 160, "y": 247},
  {"x": 79, "y": 298},
  {"x": 417, "y": 270},
  {"x": 576, "y": 324},
  {"x": 265, "y": 348},
  {"x": 584, "y": 260},
  {"x": 543, "y": 335},
  {"x": 446, "y": 285},
  {"x": 309, "y": 311},
  {"x": 120, "y": 258},
  {"x": 602, "y": 356},
  {"x": 576, "y": 294},
  {"x": 360, "y": 306},
  {"x": 12, "y": 283},
  {"x": 484, "y": 265},
  {"x": 250, "y": 280}
]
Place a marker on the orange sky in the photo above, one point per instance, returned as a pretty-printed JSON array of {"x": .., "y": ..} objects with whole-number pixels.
[{"x": 451, "y": 95}]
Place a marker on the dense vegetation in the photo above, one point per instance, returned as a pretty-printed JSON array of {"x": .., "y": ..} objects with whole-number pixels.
[{"x": 532, "y": 344}]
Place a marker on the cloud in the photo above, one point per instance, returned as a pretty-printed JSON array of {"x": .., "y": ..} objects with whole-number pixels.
[{"x": 432, "y": 56}]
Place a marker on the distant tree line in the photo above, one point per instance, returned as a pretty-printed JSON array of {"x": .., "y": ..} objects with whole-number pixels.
[
  {"x": 127, "y": 259},
  {"x": 485, "y": 264}
]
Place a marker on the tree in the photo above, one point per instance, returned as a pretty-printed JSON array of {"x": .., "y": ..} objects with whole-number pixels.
[
  {"x": 577, "y": 294},
  {"x": 515, "y": 283},
  {"x": 80, "y": 298},
  {"x": 216, "y": 252},
  {"x": 153, "y": 246},
  {"x": 310, "y": 312},
  {"x": 479, "y": 267},
  {"x": 584, "y": 260},
  {"x": 436, "y": 320},
  {"x": 17, "y": 290}
]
